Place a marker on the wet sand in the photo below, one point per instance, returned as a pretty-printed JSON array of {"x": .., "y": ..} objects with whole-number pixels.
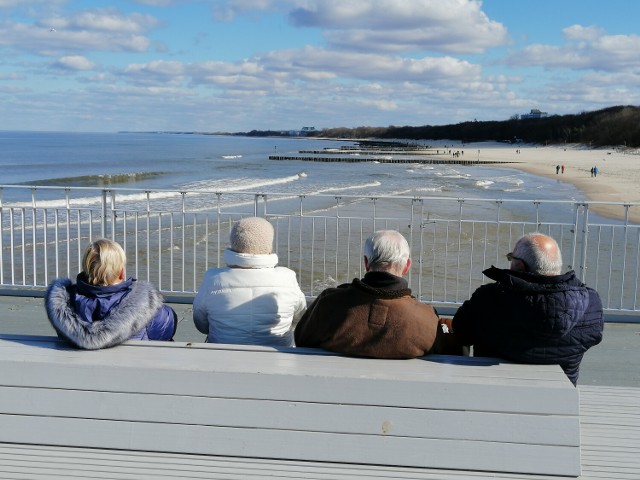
[{"x": 618, "y": 179}]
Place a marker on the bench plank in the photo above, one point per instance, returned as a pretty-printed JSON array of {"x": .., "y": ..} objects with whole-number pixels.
[
  {"x": 282, "y": 444},
  {"x": 280, "y": 415}
]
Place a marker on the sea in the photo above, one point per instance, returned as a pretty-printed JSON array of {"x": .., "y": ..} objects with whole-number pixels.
[{"x": 195, "y": 162}]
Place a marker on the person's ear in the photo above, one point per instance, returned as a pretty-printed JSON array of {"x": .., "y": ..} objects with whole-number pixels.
[
  {"x": 406, "y": 267},
  {"x": 366, "y": 263},
  {"x": 121, "y": 277}
]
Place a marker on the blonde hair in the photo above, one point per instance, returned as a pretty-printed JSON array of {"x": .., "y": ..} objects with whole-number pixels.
[{"x": 103, "y": 262}]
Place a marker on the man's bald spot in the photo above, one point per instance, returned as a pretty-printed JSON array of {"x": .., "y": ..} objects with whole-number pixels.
[{"x": 547, "y": 245}]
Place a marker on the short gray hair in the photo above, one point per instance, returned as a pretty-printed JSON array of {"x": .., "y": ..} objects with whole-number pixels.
[
  {"x": 530, "y": 250},
  {"x": 386, "y": 249}
]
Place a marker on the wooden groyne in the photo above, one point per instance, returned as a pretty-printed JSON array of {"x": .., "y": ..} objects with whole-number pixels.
[
  {"x": 371, "y": 152},
  {"x": 422, "y": 160}
]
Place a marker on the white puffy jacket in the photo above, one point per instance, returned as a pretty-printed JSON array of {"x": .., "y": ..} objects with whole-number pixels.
[{"x": 252, "y": 301}]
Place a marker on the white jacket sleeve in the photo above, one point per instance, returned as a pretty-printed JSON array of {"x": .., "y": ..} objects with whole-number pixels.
[{"x": 200, "y": 315}]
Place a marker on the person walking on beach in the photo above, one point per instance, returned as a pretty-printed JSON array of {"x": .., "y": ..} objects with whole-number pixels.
[
  {"x": 592, "y": 171},
  {"x": 376, "y": 316},
  {"x": 533, "y": 313},
  {"x": 103, "y": 309},
  {"x": 562, "y": 169},
  {"x": 595, "y": 171},
  {"x": 557, "y": 169},
  {"x": 252, "y": 300}
]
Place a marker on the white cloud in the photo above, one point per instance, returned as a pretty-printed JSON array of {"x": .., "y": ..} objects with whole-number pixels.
[
  {"x": 74, "y": 62},
  {"x": 105, "y": 20},
  {"x": 96, "y": 30},
  {"x": 584, "y": 48},
  {"x": 368, "y": 66},
  {"x": 449, "y": 26}
]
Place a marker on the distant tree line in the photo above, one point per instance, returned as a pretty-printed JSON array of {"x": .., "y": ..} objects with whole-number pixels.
[{"x": 612, "y": 126}]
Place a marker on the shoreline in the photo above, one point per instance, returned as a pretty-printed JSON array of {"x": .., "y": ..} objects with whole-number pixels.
[{"x": 617, "y": 181}]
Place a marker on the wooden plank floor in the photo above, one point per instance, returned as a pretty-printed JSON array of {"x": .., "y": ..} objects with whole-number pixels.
[{"x": 610, "y": 431}]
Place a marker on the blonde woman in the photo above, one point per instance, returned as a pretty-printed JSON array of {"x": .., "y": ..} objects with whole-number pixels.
[{"x": 103, "y": 308}]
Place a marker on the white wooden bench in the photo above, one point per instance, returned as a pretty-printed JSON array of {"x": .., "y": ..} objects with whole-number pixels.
[{"x": 435, "y": 412}]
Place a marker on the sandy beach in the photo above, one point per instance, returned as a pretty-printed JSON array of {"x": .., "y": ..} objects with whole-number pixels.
[{"x": 618, "y": 179}]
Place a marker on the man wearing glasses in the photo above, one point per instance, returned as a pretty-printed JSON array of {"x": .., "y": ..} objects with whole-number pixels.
[{"x": 533, "y": 313}]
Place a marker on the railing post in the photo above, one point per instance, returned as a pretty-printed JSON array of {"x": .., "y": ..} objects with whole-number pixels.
[
  {"x": 103, "y": 226},
  {"x": 218, "y": 226},
  {"x": 1, "y": 237},
  {"x": 375, "y": 213},
  {"x": 183, "y": 247},
  {"x": 302, "y": 197},
  {"x": 68, "y": 228},
  {"x": 33, "y": 235},
  {"x": 585, "y": 234},
  {"x": 337, "y": 235},
  {"x": 498, "y": 211},
  {"x": 114, "y": 215},
  {"x": 147, "y": 246},
  {"x": 624, "y": 252}
]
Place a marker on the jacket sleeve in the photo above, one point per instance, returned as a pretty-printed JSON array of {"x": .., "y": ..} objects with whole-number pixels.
[
  {"x": 309, "y": 331},
  {"x": 466, "y": 320},
  {"x": 200, "y": 316},
  {"x": 300, "y": 308},
  {"x": 163, "y": 325}
]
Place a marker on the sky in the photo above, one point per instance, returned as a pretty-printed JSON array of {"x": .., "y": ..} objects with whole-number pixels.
[{"x": 240, "y": 65}]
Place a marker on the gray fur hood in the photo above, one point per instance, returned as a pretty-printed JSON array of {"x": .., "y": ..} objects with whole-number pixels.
[{"x": 131, "y": 315}]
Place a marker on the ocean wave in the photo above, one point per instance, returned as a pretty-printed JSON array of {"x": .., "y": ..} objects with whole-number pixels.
[
  {"x": 240, "y": 184},
  {"x": 348, "y": 187},
  {"x": 230, "y": 156},
  {"x": 98, "y": 180},
  {"x": 439, "y": 188},
  {"x": 87, "y": 202},
  {"x": 484, "y": 183}
]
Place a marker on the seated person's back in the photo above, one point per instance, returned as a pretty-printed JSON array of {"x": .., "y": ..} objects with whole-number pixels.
[
  {"x": 251, "y": 301},
  {"x": 376, "y": 316},
  {"x": 103, "y": 309},
  {"x": 532, "y": 313}
]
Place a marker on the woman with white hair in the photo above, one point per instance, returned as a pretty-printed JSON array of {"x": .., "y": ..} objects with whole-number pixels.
[{"x": 252, "y": 300}]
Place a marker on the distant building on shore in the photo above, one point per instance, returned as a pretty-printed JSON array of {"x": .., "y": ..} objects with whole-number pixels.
[
  {"x": 535, "y": 113},
  {"x": 301, "y": 133}
]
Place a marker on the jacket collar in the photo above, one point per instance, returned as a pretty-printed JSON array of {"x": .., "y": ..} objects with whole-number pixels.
[
  {"x": 250, "y": 260},
  {"x": 516, "y": 279},
  {"x": 94, "y": 291},
  {"x": 384, "y": 285}
]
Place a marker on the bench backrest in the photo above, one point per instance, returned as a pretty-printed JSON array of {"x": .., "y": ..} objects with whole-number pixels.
[{"x": 299, "y": 404}]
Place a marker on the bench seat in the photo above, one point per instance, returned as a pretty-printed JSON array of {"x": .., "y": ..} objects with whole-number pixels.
[{"x": 437, "y": 412}]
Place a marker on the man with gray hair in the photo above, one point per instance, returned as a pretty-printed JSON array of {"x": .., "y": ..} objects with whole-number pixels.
[
  {"x": 532, "y": 313},
  {"x": 376, "y": 316}
]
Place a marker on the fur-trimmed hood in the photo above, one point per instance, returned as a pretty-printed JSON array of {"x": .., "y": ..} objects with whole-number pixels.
[{"x": 132, "y": 314}]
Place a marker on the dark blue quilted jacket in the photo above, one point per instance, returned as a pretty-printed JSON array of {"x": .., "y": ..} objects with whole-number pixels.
[{"x": 529, "y": 318}]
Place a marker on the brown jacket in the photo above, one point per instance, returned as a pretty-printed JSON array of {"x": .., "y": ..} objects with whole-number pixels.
[{"x": 373, "y": 317}]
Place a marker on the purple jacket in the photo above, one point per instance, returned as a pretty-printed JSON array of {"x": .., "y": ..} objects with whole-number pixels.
[
  {"x": 94, "y": 302},
  {"x": 93, "y": 317}
]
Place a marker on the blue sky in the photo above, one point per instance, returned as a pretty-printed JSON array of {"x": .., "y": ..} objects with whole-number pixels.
[{"x": 239, "y": 65}]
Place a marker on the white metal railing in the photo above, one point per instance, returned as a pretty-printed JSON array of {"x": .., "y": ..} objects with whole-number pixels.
[{"x": 172, "y": 237}]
